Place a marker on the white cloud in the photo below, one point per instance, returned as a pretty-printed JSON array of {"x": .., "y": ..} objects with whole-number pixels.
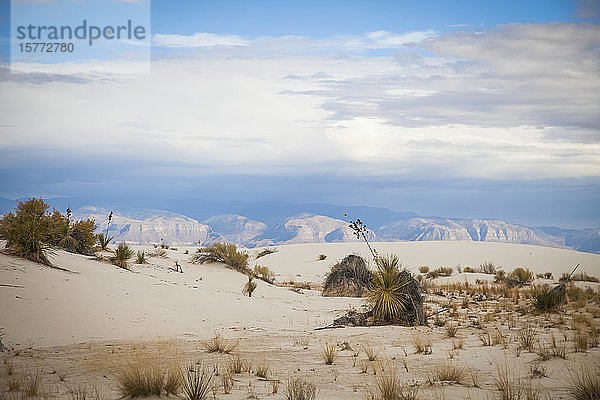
[
  {"x": 517, "y": 102},
  {"x": 199, "y": 40}
]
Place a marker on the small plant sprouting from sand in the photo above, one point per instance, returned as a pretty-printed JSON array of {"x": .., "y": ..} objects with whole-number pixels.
[
  {"x": 223, "y": 253},
  {"x": 301, "y": 341},
  {"x": 262, "y": 369},
  {"x": 196, "y": 382},
  {"x": 141, "y": 258},
  {"x": 250, "y": 286},
  {"x": 227, "y": 383},
  {"x": 451, "y": 329},
  {"x": 527, "y": 338},
  {"x": 237, "y": 365},
  {"x": 300, "y": 389},
  {"x": 218, "y": 344},
  {"x": 371, "y": 352},
  {"x": 103, "y": 241},
  {"x": 321, "y": 257},
  {"x": 584, "y": 382},
  {"x": 485, "y": 338},
  {"x": 122, "y": 255},
  {"x": 389, "y": 387},
  {"x": 329, "y": 353}
]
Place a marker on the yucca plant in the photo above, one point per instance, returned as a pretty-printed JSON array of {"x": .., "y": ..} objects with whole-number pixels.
[
  {"x": 104, "y": 240},
  {"x": 250, "y": 286},
  {"x": 387, "y": 296},
  {"x": 141, "y": 258},
  {"x": 122, "y": 255},
  {"x": 196, "y": 382}
]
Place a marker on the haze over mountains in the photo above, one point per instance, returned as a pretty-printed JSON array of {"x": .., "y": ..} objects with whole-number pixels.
[{"x": 268, "y": 224}]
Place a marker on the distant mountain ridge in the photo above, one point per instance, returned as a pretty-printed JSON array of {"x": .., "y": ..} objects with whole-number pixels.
[
  {"x": 155, "y": 226},
  {"x": 254, "y": 224}
]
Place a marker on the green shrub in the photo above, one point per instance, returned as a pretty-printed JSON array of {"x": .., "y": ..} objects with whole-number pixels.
[
  {"x": 519, "y": 277},
  {"x": 546, "y": 275},
  {"x": 223, "y": 253},
  {"x": 469, "y": 269},
  {"x": 74, "y": 237},
  {"x": 387, "y": 296},
  {"x": 424, "y": 269},
  {"x": 122, "y": 255},
  {"x": 321, "y": 257},
  {"x": 28, "y": 231}
]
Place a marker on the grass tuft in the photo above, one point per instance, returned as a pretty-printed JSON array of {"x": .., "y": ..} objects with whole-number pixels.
[
  {"x": 329, "y": 353},
  {"x": 196, "y": 382},
  {"x": 584, "y": 383},
  {"x": 122, "y": 255},
  {"x": 218, "y": 344},
  {"x": 223, "y": 253},
  {"x": 300, "y": 389}
]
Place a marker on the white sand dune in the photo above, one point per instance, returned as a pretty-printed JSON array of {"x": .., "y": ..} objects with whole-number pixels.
[{"x": 99, "y": 301}]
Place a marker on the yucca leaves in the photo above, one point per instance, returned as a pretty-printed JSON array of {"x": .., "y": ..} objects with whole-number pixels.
[
  {"x": 122, "y": 255},
  {"x": 387, "y": 296}
]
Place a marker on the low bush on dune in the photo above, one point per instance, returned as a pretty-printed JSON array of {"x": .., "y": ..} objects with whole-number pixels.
[
  {"x": 141, "y": 258},
  {"x": 545, "y": 298},
  {"x": 351, "y": 277},
  {"x": 31, "y": 231},
  {"x": 103, "y": 240},
  {"x": 122, "y": 255},
  {"x": 441, "y": 271},
  {"x": 584, "y": 383},
  {"x": 264, "y": 273},
  {"x": 488, "y": 267},
  {"x": 300, "y": 389},
  {"x": 223, "y": 253},
  {"x": 519, "y": 277}
]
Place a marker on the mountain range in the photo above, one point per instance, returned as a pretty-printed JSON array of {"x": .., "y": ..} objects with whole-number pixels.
[{"x": 267, "y": 224}]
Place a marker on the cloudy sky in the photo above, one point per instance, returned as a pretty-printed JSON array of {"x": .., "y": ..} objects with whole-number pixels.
[{"x": 475, "y": 109}]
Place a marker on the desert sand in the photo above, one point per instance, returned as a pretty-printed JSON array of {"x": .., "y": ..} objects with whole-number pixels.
[{"x": 73, "y": 329}]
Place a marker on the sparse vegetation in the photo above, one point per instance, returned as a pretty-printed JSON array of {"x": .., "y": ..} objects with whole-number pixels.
[
  {"x": 527, "y": 337},
  {"x": 122, "y": 255},
  {"x": 103, "y": 240},
  {"x": 422, "y": 344},
  {"x": 424, "y": 269},
  {"x": 329, "y": 353},
  {"x": 140, "y": 379},
  {"x": 441, "y": 271},
  {"x": 264, "y": 273},
  {"x": 519, "y": 277},
  {"x": 488, "y": 267},
  {"x": 222, "y": 253},
  {"x": 266, "y": 252},
  {"x": 509, "y": 386},
  {"x": 448, "y": 371},
  {"x": 584, "y": 383},
  {"x": 321, "y": 257},
  {"x": 300, "y": 389},
  {"x": 451, "y": 329},
  {"x": 218, "y": 344},
  {"x": 544, "y": 298}
]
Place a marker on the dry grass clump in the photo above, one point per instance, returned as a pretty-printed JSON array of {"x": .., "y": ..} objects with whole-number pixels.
[
  {"x": 485, "y": 338},
  {"x": 329, "y": 353},
  {"x": 237, "y": 365},
  {"x": 226, "y": 383},
  {"x": 422, "y": 344},
  {"x": 451, "y": 329},
  {"x": 371, "y": 352},
  {"x": 196, "y": 382},
  {"x": 143, "y": 380},
  {"x": 321, "y": 257},
  {"x": 488, "y": 267},
  {"x": 448, "y": 372},
  {"x": 519, "y": 277},
  {"x": 218, "y": 344},
  {"x": 580, "y": 340},
  {"x": 509, "y": 386},
  {"x": 389, "y": 387},
  {"x": 262, "y": 370},
  {"x": 584, "y": 383},
  {"x": 301, "y": 341},
  {"x": 223, "y": 253},
  {"x": 544, "y": 298},
  {"x": 300, "y": 389},
  {"x": 527, "y": 338}
]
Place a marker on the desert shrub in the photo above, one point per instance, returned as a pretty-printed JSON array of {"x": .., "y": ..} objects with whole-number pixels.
[
  {"x": 196, "y": 382},
  {"x": 300, "y": 389},
  {"x": 527, "y": 338},
  {"x": 141, "y": 258},
  {"x": 451, "y": 329},
  {"x": 488, "y": 267},
  {"x": 499, "y": 276},
  {"x": 544, "y": 298},
  {"x": 27, "y": 231},
  {"x": 509, "y": 386},
  {"x": 122, "y": 255},
  {"x": 266, "y": 252},
  {"x": 74, "y": 237},
  {"x": 469, "y": 269},
  {"x": 583, "y": 276},
  {"x": 350, "y": 277},
  {"x": 264, "y": 273},
  {"x": 223, "y": 253},
  {"x": 584, "y": 383},
  {"x": 262, "y": 370},
  {"x": 143, "y": 380},
  {"x": 441, "y": 271},
  {"x": 424, "y": 269},
  {"x": 321, "y": 257},
  {"x": 389, "y": 387},
  {"x": 250, "y": 286},
  {"x": 519, "y": 277},
  {"x": 103, "y": 240},
  {"x": 545, "y": 275},
  {"x": 329, "y": 353},
  {"x": 422, "y": 344}
]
